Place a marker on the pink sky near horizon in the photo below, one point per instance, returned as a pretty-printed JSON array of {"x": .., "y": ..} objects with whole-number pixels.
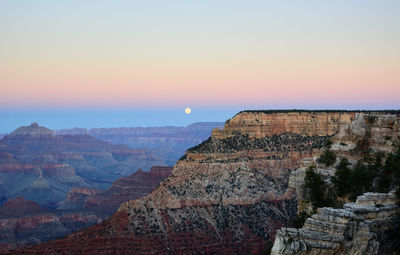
[{"x": 242, "y": 55}]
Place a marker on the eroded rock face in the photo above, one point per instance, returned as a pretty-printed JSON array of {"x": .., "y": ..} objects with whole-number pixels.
[{"x": 356, "y": 229}]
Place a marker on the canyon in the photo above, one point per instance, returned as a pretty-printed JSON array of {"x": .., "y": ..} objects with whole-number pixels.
[
  {"x": 77, "y": 180},
  {"x": 42, "y": 167},
  {"x": 232, "y": 193},
  {"x": 24, "y": 223}
]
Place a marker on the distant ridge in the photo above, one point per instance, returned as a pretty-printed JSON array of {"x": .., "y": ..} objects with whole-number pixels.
[
  {"x": 167, "y": 142},
  {"x": 81, "y": 131}
]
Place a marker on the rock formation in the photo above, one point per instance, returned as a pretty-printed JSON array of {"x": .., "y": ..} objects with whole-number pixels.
[{"x": 356, "y": 229}]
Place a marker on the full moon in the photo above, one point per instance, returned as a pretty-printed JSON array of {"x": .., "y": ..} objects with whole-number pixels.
[{"x": 188, "y": 110}]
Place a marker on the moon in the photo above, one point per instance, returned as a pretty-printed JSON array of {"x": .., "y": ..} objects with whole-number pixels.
[{"x": 188, "y": 110}]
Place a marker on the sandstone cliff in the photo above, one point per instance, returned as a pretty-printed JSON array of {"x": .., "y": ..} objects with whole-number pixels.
[{"x": 263, "y": 123}]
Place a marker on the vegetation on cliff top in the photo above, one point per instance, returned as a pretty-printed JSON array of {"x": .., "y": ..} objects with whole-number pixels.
[
  {"x": 328, "y": 157},
  {"x": 318, "y": 111},
  {"x": 239, "y": 142},
  {"x": 367, "y": 175}
]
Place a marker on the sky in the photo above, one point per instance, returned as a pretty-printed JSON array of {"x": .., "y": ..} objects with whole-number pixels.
[{"x": 141, "y": 63}]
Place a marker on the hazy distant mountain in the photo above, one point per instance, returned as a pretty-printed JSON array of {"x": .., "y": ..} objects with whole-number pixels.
[
  {"x": 41, "y": 166},
  {"x": 168, "y": 142}
]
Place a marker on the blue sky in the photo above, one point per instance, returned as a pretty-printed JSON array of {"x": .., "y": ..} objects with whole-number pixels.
[{"x": 98, "y": 63}]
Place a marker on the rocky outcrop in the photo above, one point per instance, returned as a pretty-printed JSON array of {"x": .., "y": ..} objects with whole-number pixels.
[{"x": 355, "y": 229}]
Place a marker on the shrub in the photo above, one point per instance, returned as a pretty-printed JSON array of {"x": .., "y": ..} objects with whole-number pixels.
[
  {"x": 267, "y": 249},
  {"x": 327, "y": 158},
  {"x": 315, "y": 188},
  {"x": 299, "y": 221},
  {"x": 360, "y": 180},
  {"x": 341, "y": 180}
]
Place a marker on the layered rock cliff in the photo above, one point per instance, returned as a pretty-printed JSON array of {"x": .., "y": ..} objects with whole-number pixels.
[
  {"x": 267, "y": 123},
  {"x": 356, "y": 229}
]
